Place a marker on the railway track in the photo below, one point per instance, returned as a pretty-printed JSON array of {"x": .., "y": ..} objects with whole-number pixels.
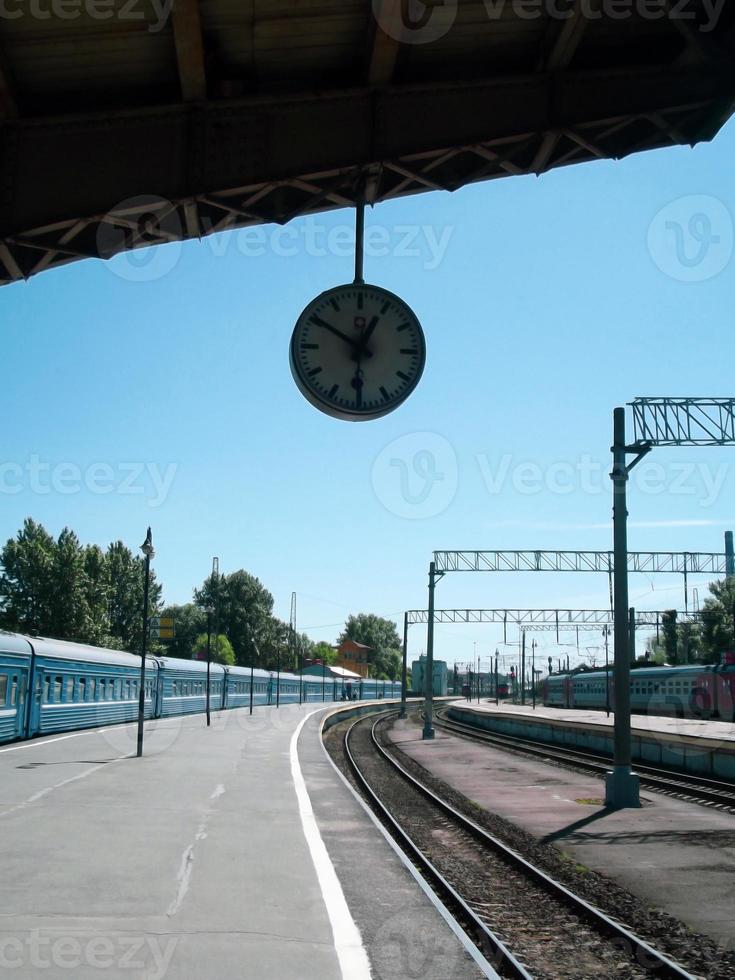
[
  {"x": 526, "y": 924},
  {"x": 700, "y": 789}
]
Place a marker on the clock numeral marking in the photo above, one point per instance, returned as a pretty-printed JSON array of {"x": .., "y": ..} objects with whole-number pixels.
[
  {"x": 400, "y": 374},
  {"x": 311, "y": 347},
  {"x": 409, "y": 350},
  {"x": 384, "y": 393},
  {"x": 333, "y": 391},
  {"x": 403, "y": 326},
  {"x": 314, "y": 371},
  {"x": 359, "y": 301},
  {"x": 317, "y": 321},
  {"x": 335, "y": 304},
  {"x": 385, "y": 307}
]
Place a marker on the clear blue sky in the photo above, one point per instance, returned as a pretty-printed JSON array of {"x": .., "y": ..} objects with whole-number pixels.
[{"x": 545, "y": 303}]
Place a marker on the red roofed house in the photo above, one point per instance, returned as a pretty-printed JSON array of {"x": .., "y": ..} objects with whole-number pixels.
[{"x": 353, "y": 656}]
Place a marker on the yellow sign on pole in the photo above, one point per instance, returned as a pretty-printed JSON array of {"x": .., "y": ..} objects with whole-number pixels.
[{"x": 161, "y": 628}]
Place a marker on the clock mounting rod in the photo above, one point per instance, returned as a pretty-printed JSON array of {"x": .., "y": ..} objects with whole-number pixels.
[{"x": 359, "y": 238}]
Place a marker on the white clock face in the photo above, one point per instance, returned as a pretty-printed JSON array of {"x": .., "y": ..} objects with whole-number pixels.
[{"x": 357, "y": 352}]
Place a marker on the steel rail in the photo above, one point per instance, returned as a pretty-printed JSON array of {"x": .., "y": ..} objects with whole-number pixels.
[
  {"x": 643, "y": 955},
  {"x": 491, "y": 945},
  {"x": 701, "y": 788}
]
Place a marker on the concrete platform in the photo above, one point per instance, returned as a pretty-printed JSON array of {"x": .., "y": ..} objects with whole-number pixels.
[
  {"x": 205, "y": 859},
  {"x": 706, "y": 747},
  {"x": 673, "y": 855}
]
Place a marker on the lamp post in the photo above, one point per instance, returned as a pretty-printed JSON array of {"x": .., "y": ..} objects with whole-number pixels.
[
  {"x": 209, "y": 658},
  {"x": 147, "y": 549},
  {"x": 257, "y": 654}
]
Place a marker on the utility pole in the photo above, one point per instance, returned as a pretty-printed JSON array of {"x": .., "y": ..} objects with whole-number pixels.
[
  {"x": 428, "y": 731},
  {"x": 523, "y": 666},
  {"x": 404, "y": 673},
  {"x": 606, "y": 634},
  {"x": 622, "y": 784},
  {"x": 497, "y": 696},
  {"x": 533, "y": 673}
]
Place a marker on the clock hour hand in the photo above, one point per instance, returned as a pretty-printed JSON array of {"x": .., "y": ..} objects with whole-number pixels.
[{"x": 368, "y": 332}]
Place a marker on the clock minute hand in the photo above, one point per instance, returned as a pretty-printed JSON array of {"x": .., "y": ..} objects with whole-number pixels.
[{"x": 338, "y": 333}]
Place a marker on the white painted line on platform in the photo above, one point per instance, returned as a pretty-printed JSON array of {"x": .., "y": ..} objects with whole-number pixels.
[
  {"x": 484, "y": 965},
  {"x": 32, "y": 743},
  {"x": 351, "y": 952}
]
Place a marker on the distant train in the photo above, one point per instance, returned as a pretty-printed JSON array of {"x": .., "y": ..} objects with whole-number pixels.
[
  {"x": 464, "y": 682},
  {"x": 696, "y": 691},
  {"x": 54, "y": 686}
]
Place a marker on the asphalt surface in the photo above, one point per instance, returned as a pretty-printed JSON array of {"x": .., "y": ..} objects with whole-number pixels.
[{"x": 192, "y": 862}]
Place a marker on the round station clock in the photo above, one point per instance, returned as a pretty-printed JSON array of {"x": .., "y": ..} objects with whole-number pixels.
[{"x": 357, "y": 352}]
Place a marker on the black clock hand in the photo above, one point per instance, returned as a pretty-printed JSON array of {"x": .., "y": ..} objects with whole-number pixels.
[
  {"x": 338, "y": 333},
  {"x": 368, "y": 332}
]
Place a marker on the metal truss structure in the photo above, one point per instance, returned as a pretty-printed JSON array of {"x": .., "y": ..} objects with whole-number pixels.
[
  {"x": 543, "y": 619},
  {"x": 271, "y": 160},
  {"x": 684, "y": 421},
  {"x": 679, "y": 562}
]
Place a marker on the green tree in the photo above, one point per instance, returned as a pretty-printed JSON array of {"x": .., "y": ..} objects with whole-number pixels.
[
  {"x": 717, "y": 620},
  {"x": 670, "y": 636},
  {"x": 69, "y": 610},
  {"x": 97, "y": 596},
  {"x": 127, "y": 573},
  {"x": 221, "y": 649},
  {"x": 244, "y": 610},
  {"x": 324, "y": 652},
  {"x": 190, "y": 621},
  {"x": 380, "y": 635},
  {"x": 26, "y": 581}
]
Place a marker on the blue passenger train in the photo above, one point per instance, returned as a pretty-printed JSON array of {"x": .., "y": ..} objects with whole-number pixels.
[
  {"x": 697, "y": 690},
  {"x": 54, "y": 686}
]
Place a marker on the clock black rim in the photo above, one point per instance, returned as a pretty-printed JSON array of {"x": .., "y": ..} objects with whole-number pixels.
[{"x": 326, "y": 407}]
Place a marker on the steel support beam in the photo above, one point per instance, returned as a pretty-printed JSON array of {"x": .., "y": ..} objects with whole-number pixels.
[
  {"x": 542, "y": 619},
  {"x": 678, "y": 562},
  {"x": 684, "y": 421},
  {"x": 209, "y": 154}
]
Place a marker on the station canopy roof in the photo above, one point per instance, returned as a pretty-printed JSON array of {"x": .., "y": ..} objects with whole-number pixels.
[{"x": 125, "y": 123}]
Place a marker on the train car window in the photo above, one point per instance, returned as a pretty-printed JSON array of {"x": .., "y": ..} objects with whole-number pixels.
[
  {"x": 13, "y": 691},
  {"x": 69, "y": 689},
  {"x": 3, "y": 688},
  {"x": 92, "y": 689},
  {"x": 23, "y": 689},
  {"x": 82, "y": 688},
  {"x": 58, "y": 686}
]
